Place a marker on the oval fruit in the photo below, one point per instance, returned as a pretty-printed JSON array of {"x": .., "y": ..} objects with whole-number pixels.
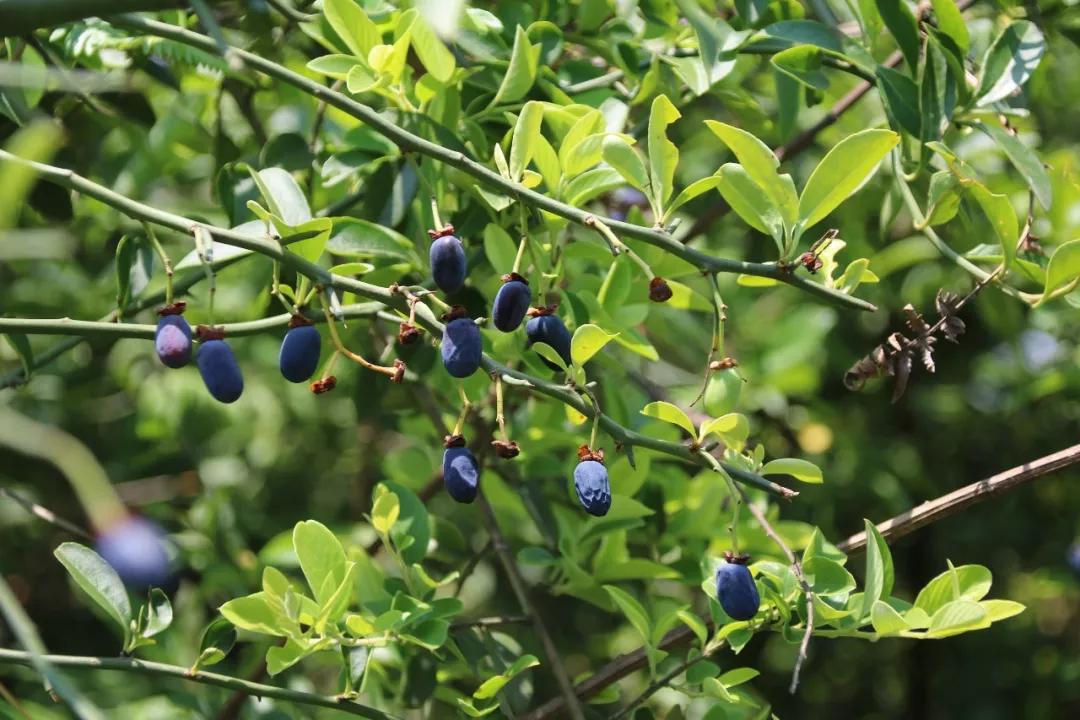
[
  {"x": 592, "y": 486},
  {"x": 172, "y": 341},
  {"x": 461, "y": 347},
  {"x": 736, "y": 591},
  {"x": 448, "y": 263},
  {"x": 460, "y": 474},
  {"x": 219, "y": 371},
  {"x": 299, "y": 354},
  {"x": 550, "y": 330}
]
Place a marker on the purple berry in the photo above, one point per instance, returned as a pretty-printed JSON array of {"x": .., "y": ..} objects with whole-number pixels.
[
  {"x": 592, "y": 486},
  {"x": 219, "y": 371},
  {"x": 511, "y": 304},
  {"x": 735, "y": 589},
  {"x": 172, "y": 341},
  {"x": 448, "y": 263},
  {"x": 460, "y": 474},
  {"x": 549, "y": 329},
  {"x": 461, "y": 347},
  {"x": 299, "y": 354},
  {"x": 135, "y": 548}
]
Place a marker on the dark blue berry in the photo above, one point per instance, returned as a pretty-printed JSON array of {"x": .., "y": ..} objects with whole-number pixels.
[
  {"x": 736, "y": 591},
  {"x": 299, "y": 354},
  {"x": 135, "y": 548},
  {"x": 511, "y": 304},
  {"x": 592, "y": 486},
  {"x": 549, "y": 329},
  {"x": 461, "y": 347},
  {"x": 448, "y": 263},
  {"x": 219, "y": 371},
  {"x": 460, "y": 474},
  {"x": 172, "y": 341}
]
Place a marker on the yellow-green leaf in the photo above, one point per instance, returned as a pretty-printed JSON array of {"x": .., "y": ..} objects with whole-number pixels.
[
  {"x": 669, "y": 413},
  {"x": 587, "y": 341}
]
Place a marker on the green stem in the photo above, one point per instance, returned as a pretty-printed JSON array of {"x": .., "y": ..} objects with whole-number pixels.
[
  {"x": 414, "y": 143},
  {"x": 166, "y": 263},
  {"x": 145, "y": 667}
]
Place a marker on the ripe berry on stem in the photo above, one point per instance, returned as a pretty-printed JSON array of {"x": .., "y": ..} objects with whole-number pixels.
[
  {"x": 300, "y": 350},
  {"x": 218, "y": 365},
  {"x": 447, "y": 257},
  {"x": 591, "y": 482},
  {"x": 461, "y": 475},
  {"x": 735, "y": 588},
  {"x": 461, "y": 348},
  {"x": 172, "y": 339},
  {"x": 546, "y": 327},
  {"x": 511, "y": 302}
]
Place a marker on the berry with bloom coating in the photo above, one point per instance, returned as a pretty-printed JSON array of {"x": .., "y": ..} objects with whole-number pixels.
[
  {"x": 299, "y": 354},
  {"x": 735, "y": 588},
  {"x": 448, "y": 263},
  {"x": 460, "y": 473},
  {"x": 172, "y": 341},
  {"x": 592, "y": 486},
  {"x": 461, "y": 347},
  {"x": 511, "y": 303},
  {"x": 135, "y": 548},
  {"x": 219, "y": 370},
  {"x": 549, "y": 329}
]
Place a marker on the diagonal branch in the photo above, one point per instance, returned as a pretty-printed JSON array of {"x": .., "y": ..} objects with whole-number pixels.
[{"x": 963, "y": 498}]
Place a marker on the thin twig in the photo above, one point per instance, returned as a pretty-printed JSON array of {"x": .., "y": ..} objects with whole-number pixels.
[
  {"x": 962, "y": 498},
  {"x": 45, "y": 514},
  {"x": 664, "y": 681}
]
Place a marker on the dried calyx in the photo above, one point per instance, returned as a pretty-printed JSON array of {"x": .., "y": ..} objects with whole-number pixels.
[
  {"x": 512, "y": 276},
  {"x": 734, "y": 559},
  {"x": 451, "y": 441},
  {"x": 506, "y": 449},
  {"x": 542, "y": 310},
  {"x": 176, "y": 308},
  {"x": 723, "y": 364},
  {"x": 205, "y": 333},
  {"x": 298, "y": 320},
  {"x": 325, "y": 385},
  {"x": 441, "y": 232},
  {"x": 659, "y": 290},
  {"x": 408, "y": 333},
  {"x": 586, "y": 453},
  {"x": 455, "y": 312}
]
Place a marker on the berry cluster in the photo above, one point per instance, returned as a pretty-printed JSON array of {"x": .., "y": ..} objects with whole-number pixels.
[{"x": 299, "y": 356}]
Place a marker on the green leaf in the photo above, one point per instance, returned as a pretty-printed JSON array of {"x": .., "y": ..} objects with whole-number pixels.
[
  {"x": 732, "y": 428},
  {"x": 434, "y": 56},
  {"x": 526, "y": 132},
  {"x": 695, "y": 623},
  {"x": 632, "y": 609},
  {"x": 1009, "y": 61},
  {"x": 361, "y": 78},
  {"x": 334, "y": 607},
  {"x": 759, "y": 162},
  {"x": 951, "y": 23},
  {"x": 750, "y": 202},
  {"x": 575, "y": 156},
  {"x": 901, "y": 97},
  {"x": 591, "y": 184},
  {"x": 352, "y": 25},
  {"x": 281, "y": 658},
  {"x": 967, "y": 582},
  {"x": 620, "y": 155},
  {"x": 956, "y": 617},
  {"x": 710, "y": 32},
  {"x": 494, "y": 684},
  {"x": 385, "y": 511},
  {"x": 550, "y": 354},
  {"x": 352, "y": 269},
  {"x": 254, "y": 613},
  {"x": 663, "y": 155},
  {"x": 1001, "y": 609},
  {"x": 879, "y": 569},
  {"x": 159, "y": 613},
  {"x": 670, "y": 414},
  {"x": 587, "y": 341},
  {"x": 99, "y": 581},
  {"x": 885, "y": 619},
  {"x": 521, "y": 74},
  {"x": 797, "y": 468},
  {"x": 904, "y": 28},
  {"x": 354, "y": 237},
  {"x": 283, "y": 195},
  {"x": 842, "y": 171},
  {"x": 1000, "y": 214},
  {"x": 692, "y": 190},
  {"x": 1064, "y": 266},
  {"x": 21, "y": 345},
  {"x": 134, "y": 266},
  {"x": 802, "y": 63},
  {"x": 217, "y": 640},
  {"x": 322, "y": 559},
  {"x": 335, "y": 66},
  {"x": 738, "y": 676},
  {"x": 1024, "y": 159},
  {"x": 499, "y": 248}
]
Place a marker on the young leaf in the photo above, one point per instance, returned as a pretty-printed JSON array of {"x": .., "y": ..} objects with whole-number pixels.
[
  {"x": 879, "y": 569},
  {"x": 1001, "y": 609},
  {"x": 255, "y": 613},
  {"x": 550, "y": 354},
  {"x": 99, "y": 581},
  {"x": 750, "y": 202},
  {"x": 434, "y": 56},
  {"x": 1010, "y": 61},
  {"x": 352, "y": 25},
  {"x": 802, "y": 63},
  {"x": 335, "y": 66},
  {"x": 670, "y": 414},
  {"x": 842, "y": 171},
  {"x": 620, "y": 155},
  {"x": 692, "y": 190},
  {"x": 663, "y": 155},
  {"x": 283, "y": 195},
  {"x": 322, "y": 559},
  {"x": 587, "y": 341},
  {"x": 521, "y": 74},
  {"x": 526, "y": 131},
  {"x": 159, "y": 613},
  {"x": 385, "y": 512},
  {"x": 1064, "y": 266},
  {"x": 759, "y": 162},
  {"x": 632, "y": 609},
  {"x": 1000, "y": 214},
  {"x": 885, "y": 619},
  {"x": 958, "y": 616},
  {"x": 797, "y": 468},
  {"x": 217, "y": 640},
  {"x": 732, "y": 428},
  {"x": 951, "y": 23},
  {"x": 967, "y": 582}
]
